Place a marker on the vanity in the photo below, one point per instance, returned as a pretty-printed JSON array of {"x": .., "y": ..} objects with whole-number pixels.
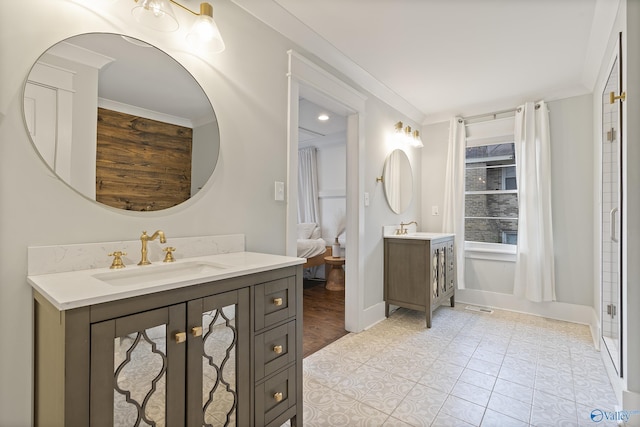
[
  {"x": 419, "y": 271},
  {"x": 211, "y": 339},
  {"x": 204, "y": 334}
]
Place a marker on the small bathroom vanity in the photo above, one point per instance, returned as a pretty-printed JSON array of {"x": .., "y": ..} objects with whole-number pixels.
[
  {"x": 419, "y": 271},
  {"x": 206, "y": 340}
]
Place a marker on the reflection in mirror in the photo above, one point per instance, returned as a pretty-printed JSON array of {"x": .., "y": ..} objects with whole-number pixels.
[
  {"x": 398, "y": 181},
  {"x": 121, "y": 122}
]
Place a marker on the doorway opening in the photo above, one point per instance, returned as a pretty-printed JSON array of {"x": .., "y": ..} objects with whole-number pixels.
[
  {"x": 312, "y": 83},
  {"x": 322, "y": 200}
]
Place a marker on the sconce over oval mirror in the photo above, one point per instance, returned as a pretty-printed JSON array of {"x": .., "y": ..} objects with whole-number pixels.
[
  {"x": 398, "y": 181},
  {"x": 121, "y": 122}
]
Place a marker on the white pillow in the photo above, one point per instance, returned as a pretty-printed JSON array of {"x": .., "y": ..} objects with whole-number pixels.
[
  {"x": 315, "y": 234},
  {"x": 305, "y": 229}
]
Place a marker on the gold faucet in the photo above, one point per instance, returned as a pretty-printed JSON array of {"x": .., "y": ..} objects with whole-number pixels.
[
  {"x": 402, "y": 230},
  {"x": 144, "y": 239}
]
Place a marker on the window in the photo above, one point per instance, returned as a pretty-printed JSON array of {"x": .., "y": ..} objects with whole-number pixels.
[{"x": 491, "y": 195}]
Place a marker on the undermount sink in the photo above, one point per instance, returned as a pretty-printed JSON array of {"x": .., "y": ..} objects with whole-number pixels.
[{"x": 150, "y": 274}]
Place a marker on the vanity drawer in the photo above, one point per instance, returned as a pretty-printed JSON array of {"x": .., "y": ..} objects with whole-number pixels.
[
  {"x": 275, "y": 349},
  {"x": 275, "y": 395},
  {"x": 274, "y": 302}
]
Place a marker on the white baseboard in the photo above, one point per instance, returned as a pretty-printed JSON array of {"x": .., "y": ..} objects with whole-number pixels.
[
  {"x": 614, "y": 378},
  {"x": 575, "y": 313},
  {"x": 372, "y": 315},
  {"x": 596, "y": 329}
]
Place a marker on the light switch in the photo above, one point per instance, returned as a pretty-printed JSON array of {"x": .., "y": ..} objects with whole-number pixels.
[
  {"x": 279, "y": 191},
  {"x": 366, "y": 199},
  {"x": 435, "y": 210}
]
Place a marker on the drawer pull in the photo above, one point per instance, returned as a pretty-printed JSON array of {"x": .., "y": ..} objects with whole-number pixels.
[
  {"x": 277, "y": 349},
  {"x": 278, "y": 397},
  {"x": 196, "y": 331},
  {"x": 277, "y": 302},
  {"x": 181, "y": 337}
]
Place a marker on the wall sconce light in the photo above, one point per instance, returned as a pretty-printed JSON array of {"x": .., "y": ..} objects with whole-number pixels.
[
  {"x": 158, "y": 15},
  {"x": 155, "y": 14},
  {"x": 417, "y": 141},
  {"x": 406, "y": 136}
]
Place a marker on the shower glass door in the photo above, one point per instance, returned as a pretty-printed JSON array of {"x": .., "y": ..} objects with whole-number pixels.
[{"x": 612, "y": 216}]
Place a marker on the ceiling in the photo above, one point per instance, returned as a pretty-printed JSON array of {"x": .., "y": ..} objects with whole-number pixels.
[
  {"x": 431, "y": 59},
  {"x": 140, "y": 75},
  {"x": 313, "y": 130}
]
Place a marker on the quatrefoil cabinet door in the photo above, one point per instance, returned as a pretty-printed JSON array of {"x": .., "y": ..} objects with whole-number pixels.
[{"x": 138, "y": 369}]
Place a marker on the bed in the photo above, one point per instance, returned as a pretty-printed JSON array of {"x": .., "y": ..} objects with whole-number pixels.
[{"x": 311, "y": 246}]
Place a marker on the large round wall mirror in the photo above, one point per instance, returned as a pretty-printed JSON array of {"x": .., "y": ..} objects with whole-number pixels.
[
  {"x": 121, "y": 122},
  {"x": 398, "y": 181}
]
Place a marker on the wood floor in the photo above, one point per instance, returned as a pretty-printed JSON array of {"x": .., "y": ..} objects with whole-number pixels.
[{"x": 323, "y": 316}]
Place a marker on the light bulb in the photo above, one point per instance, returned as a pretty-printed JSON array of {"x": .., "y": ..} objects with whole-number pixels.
[
  {"x": 156, "y": 9},
  {"x": 204, "y": 34},
  {"x": 156, "y": 14}
]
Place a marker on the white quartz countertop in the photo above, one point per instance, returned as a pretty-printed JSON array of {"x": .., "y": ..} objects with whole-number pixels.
[
  {"x": 419, "y": 235},
  {"x": 80, "y": 288}
]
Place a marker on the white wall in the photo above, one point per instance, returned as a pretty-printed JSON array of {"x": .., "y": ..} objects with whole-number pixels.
[
  {"x": 332, "y": 187},
  {"x": 379, "y": 125},
  {"x": 247, "y": 85},
  {"x": 85, "y": 105},
  {"x": 205, "y": 149},
  {"x": 572, "y": 198}
]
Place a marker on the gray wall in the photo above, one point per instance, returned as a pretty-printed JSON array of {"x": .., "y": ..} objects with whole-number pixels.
[{"x": 572, "y": 197}]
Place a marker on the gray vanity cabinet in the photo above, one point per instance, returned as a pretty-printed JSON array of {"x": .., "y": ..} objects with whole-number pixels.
[
  {"x": 419, "y": 274},
  {"x": 155, "y": 359},
  {"x": 225, "y": 353}
]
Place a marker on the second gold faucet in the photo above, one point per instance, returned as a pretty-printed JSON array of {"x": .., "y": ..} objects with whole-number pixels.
[
  {"x": 144, "y": 238},
  {"x": 402, "y": 230}
]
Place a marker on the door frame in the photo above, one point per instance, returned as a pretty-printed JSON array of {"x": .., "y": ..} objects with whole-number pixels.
[
  {"x": 618, "y": 365},
  {"x": 306, "y": 78}
]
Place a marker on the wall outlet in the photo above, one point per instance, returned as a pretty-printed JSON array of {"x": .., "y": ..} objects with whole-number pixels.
[
  {"x": 279, "y": 191},
  {"x": 435, "y": 210}
]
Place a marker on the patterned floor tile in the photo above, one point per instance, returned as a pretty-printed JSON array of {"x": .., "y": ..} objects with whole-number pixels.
[
  {"x": 438, "y": 381},
  {"x": 444, "y": 420},
  {"x": 478, "y": 379},
  {"x": 545, "y": 418},
  {"x": 513, "y": 390},
  {"x": 510, "y": 407},
  {"x": 495, "y": 419},
  {"x": 364, "y": 415},
  {"x": 420, "y": 406},
  {"x": 463, "y": 410},
  {"x": 472, "y": 393},
  {"x": 484, "y": 367},
  {"x": 469, "y": 369}
]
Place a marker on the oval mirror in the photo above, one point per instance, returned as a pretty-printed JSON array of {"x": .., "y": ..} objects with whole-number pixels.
[
  {"x": 121, "y": 122},
  {"x": 398, "y": 181}
]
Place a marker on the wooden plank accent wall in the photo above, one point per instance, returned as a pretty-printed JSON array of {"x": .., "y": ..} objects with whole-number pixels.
[{"x": 141, "y": 164}]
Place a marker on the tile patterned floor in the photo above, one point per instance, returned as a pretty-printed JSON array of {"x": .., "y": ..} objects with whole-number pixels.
[{"x": 470, "y": 369}]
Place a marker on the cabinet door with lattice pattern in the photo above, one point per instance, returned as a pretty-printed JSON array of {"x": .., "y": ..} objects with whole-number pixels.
[
  {"x": 137, "y": 369},
  {"x": 218, "y": 354}
]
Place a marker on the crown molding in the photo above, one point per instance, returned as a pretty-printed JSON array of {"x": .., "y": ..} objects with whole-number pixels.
[{"x": 279, "y": 19}]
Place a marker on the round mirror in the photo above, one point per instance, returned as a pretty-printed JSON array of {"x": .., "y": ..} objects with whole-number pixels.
[
  {"x": 398, "y": 181},
  {"x": 121, "y": 122}
]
